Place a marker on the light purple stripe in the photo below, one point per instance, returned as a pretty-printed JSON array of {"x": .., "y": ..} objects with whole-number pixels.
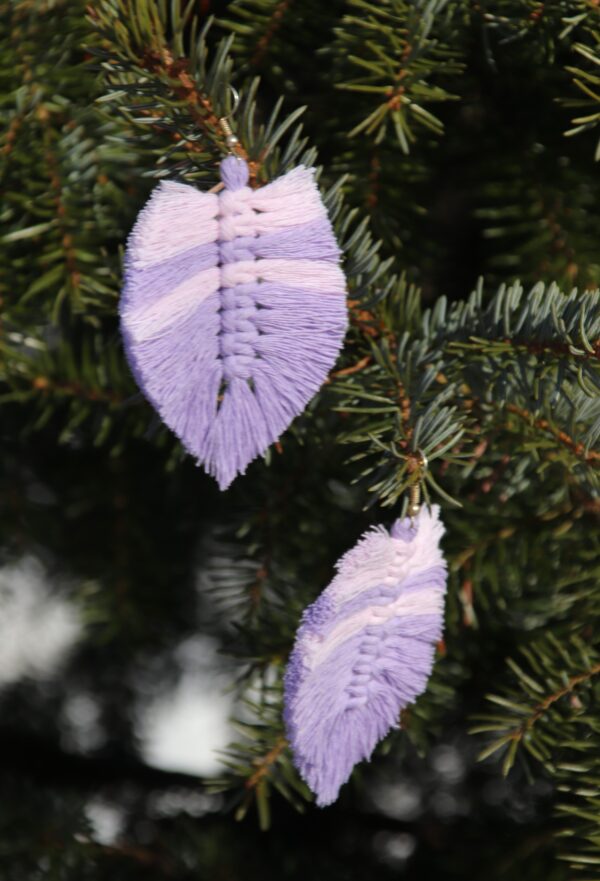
[
  {"x": 358, "y": 650},
  {"x": 158, "y": 280},
  {"x": 272, "y": 296},
  {"x": 311, "y": 275},
  {"x": 398, "y": 652},
  {"x": 341, "y": 717},
  {"x": 308, "y": 241},
  {"x": 321, "y": 617},
  {"x": 162, "y": 370},
  {"x": 384, "y": 594}
]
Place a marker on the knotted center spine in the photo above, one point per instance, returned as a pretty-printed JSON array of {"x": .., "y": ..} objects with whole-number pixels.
[{"x": 238, "y": 309}]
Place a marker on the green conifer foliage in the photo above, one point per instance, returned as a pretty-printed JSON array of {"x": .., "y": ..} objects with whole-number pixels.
[{"x": 456, "y": 144}]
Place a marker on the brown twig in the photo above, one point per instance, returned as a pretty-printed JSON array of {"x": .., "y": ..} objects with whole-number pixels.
[
  {"x": 395, "y": 95},
  {"x": 534, "y": 348},
  {"x": 61, "y": 212},
  {"x": 355, "y": 368},
  {"x": 466, "y": 599},
  {"x": 273, "y": 26},
  {"x": 11, "y": 134},
  {"x": 74, "y": 389},
  {"x": 543, "y": 706},
  {"x": 198, "y": 104},
  {"x": 555, "y": 348},
  {"x": 366, "y": 322},
  {"x": 577, "y": 448},
  {"x": 374, "y": 181},
  {"x": 142, "y": 855},
  {"x": 264, "y": 764},
  {"x": 405, "y": 413}
]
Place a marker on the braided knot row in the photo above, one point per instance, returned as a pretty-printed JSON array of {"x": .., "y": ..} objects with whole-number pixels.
[
  {"x": 239, "y": 333},
  {"x": 371, "y": 649},
  {"x": 238, "y": 295}
]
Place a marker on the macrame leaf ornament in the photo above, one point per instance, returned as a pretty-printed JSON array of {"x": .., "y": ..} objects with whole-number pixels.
[
  {"x": 233, "y": 311},
  {"x": 365, "y": 649}
]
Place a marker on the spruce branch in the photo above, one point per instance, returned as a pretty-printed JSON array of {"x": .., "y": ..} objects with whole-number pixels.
[
  {"x": 535, "y": 24},
  {"x": 63, "y": 181},
  {"x": 151, "y": 77},
  {"x": 501, "y": 388},
  {"x": 537, "y": 217},
  {"x": 578, "y": 448},
  {"x": 273, "y": 36},
  {"x": 152, "y": 80},
  {"x": 189, "y": 96},
  {"x": 548, "y": 714},
  {"x": 587, "y": 80},
  {"x": 264, "y": 764},
  {"x": 535, "y": 706},
  {"x": 399, "y": 410},
  {"x": 449, "y": 381},
  {"x": 396, "y": 46},
  {"x": 261, "y": 763},
  {"x": 247, "y": 18}
]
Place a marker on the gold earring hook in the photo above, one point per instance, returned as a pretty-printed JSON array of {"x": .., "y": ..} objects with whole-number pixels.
[
  {"x": 414, "y": 499},
  {"x": 230, "y": 138}
]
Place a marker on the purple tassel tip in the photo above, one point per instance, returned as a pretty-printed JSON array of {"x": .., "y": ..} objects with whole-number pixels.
[{"x": 234, "y": 172}]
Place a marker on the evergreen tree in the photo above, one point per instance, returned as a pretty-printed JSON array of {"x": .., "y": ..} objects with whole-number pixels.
[{"x": 456, "y": 144}]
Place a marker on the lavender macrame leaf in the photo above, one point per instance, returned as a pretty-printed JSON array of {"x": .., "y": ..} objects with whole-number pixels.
[
  {"x": 364, "y": 650},
  {"x": 233, "y": 310}
]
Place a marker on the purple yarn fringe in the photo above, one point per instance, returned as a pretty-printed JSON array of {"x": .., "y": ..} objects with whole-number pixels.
[
  {"x": 364, "y": 650},
  {"x": 233, "y": 311}
]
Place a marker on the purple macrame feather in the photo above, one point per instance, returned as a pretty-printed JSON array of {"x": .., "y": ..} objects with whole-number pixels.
[
  {"x": 364, "y": 650},
  {"x": 233, "y": 311}
]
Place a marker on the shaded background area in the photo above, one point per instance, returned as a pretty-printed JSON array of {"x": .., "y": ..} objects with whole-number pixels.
[{"x": 115, "y": 696}]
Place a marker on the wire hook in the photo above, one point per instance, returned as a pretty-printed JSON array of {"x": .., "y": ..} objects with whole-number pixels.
[
  {"x": 230, "y": 139},
  {"x": 414, "y": 501},
  {"x": 235, "y": 95}
]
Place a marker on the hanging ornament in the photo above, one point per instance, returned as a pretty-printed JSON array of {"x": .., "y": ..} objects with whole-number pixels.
[
  {"x": 234, "y": 309},
  {"x": 365, "y": 648}
]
